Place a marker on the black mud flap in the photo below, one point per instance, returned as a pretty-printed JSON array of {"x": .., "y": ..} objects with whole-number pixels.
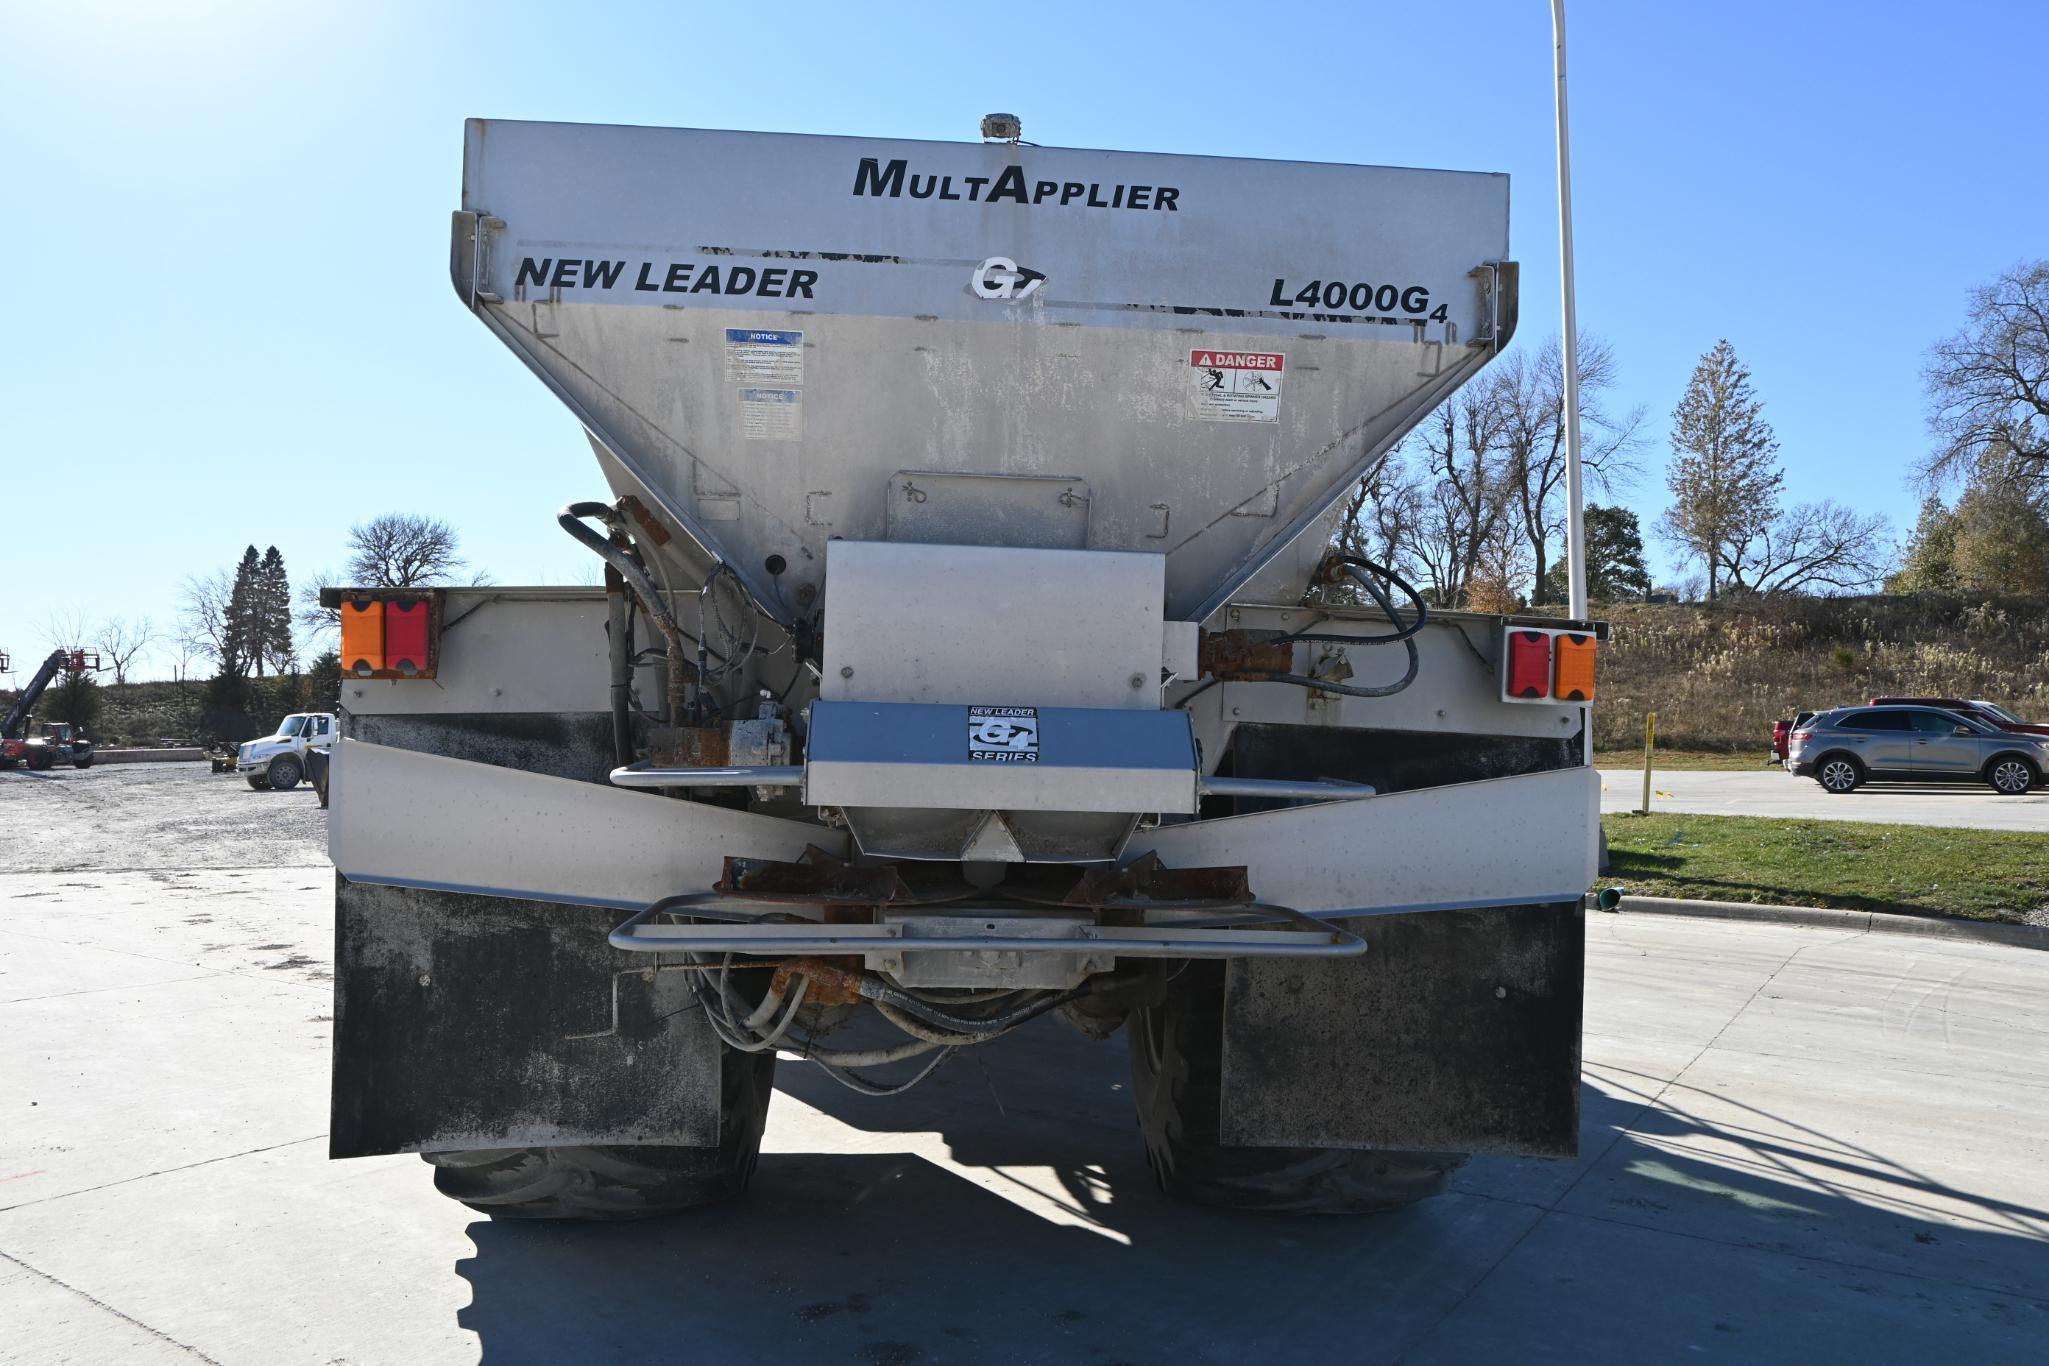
[
  {"x": 465, "y": 1022},
  {"x": 1457, "y": 1031}
]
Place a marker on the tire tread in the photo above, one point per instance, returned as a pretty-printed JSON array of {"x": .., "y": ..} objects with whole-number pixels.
[{"x": 625, "y": 1180}]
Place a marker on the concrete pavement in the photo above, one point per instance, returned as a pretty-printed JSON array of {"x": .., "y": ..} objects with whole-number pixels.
[
  {"x": 1798, "y": 1145},
  {"x": 1775, "y": 792}
]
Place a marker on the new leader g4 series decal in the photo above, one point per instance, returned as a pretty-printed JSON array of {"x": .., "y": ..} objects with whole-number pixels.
[{"x": 1003, "y": 735}]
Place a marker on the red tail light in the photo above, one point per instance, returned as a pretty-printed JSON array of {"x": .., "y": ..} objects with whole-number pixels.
[{"x": 1528, "y": 674}]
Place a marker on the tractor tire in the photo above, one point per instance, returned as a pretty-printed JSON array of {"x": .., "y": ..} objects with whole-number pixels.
[
  {"x": 284, "y": 773},
  {"x": 40, "y": 758},
  {"x": 632, "y": 1181},
  {"x": 86, "y": 762},
  {"x": 1177, "y": 1063}
]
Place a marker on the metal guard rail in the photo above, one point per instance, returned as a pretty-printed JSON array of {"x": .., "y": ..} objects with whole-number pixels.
[
  {"x": 1309, "y": 938},
  {"x": 792, "y": 775}
]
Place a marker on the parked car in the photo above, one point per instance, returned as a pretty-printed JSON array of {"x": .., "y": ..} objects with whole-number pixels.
[
  {"x": 1984, "y": 711},
  {"x": 1844, "y": 748},
  {"x": 1782, "y": 734}
]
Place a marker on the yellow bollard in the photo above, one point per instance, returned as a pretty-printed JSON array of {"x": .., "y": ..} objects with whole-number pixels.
[{"x": 1650, "y": 742}]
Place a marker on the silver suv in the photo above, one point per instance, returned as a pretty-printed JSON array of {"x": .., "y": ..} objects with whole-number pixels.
[{"x": 1846, "y": 747}]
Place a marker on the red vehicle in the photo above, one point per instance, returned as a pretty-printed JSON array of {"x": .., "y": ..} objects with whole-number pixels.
[
  {"x": 1782, "y": 735},
  {"x": 59, "y": 741},
  {"x": 1984, "y": 711}
]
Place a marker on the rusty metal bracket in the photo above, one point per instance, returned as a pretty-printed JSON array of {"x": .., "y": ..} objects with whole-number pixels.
[{"x": 1232, "y": 654}]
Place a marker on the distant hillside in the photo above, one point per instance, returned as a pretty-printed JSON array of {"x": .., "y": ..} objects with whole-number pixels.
[
  {"x": 144, "y": 713},
  {"x": 1719, "y": 676}
]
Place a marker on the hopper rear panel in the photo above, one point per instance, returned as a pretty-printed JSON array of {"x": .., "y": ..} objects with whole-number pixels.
[{"x": 782, "y": 339}]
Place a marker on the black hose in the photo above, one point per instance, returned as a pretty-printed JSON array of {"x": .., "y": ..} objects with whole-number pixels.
[
  {"x": 1358, "y": 568},
  {"x": 619, "y": 647}
]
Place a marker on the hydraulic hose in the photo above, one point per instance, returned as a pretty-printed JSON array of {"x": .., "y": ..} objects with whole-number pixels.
[
  {"x": 571, "y": 519},
  {"x": 1361, "y": 570},
  {"x": 619, "y": 647}
]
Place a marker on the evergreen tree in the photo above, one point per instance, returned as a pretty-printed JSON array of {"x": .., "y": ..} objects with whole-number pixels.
[
  {"x": 324, "y": 681},
  {"x": 2001, "y": 543},
  {"x": 1930, "y": 562},
  {"x": 76, "y": 699},
  {"x": 1616, "y": 571},
  {"x": 1725, "y": 483},
  {"x": 242, "y": 636},
  {"x": 228, "y": 706},
  {"x": 274, "y": 611}
]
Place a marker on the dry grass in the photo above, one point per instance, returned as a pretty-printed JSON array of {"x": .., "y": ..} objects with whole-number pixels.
[
  {"x": 1684, "y": 760},
  {"x": 1718, "y": 677}
]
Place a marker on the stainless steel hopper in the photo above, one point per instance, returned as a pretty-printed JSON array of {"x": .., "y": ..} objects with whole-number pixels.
[{"x": 779, "y": 340}]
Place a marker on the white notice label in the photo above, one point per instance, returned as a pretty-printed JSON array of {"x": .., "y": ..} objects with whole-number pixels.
[
  {"x": 1237, "y": 386},
  {"x": 756, "y": 357},
  {"x": 772, "y": 414}
]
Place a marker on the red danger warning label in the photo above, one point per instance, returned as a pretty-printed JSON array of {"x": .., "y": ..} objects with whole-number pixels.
[
  {"x": 1238, "y": 360},
  {"x": 1237, "y": 386}
]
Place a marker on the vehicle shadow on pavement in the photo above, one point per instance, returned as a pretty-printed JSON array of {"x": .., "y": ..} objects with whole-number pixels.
[{"x": 1691, "y": 1224}]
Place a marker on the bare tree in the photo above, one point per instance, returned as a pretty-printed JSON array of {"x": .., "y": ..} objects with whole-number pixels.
[
  {"x": 1988, "y": 386},
  {"x": 402, "y": 550},
  {"x": 1376, "y": 516},
  {"x": 317, "y": 620},
  {"x": 184, "y": 648},
  {"x": 1815, "y": 547},
  {"x": 396, "y": 550},
  {"x": 1530, "y": 392},
  {"x": 1501, "y": 570},
  {"x": 120, "y": 640},
  {"x": 204, "y": 625},
  {"x": 67, "y": 628},
  {"x": 1464, "y": 490}
]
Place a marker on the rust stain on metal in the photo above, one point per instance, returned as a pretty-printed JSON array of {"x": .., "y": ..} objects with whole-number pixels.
[
  {"x": 690, "y": 746},
  {"x": 644, "y": 519},
  {"x": 811, "y": 883},
  {"x": 831, "y": 983},
  {"x": 1231, "y": 654}
]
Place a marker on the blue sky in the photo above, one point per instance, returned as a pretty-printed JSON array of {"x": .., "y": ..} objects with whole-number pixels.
[{"x": 227, "y": 221}]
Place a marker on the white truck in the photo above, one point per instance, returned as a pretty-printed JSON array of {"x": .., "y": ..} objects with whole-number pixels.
[
  {"x": 975, "y": 645},
  {"x": 278, "y": 762}
]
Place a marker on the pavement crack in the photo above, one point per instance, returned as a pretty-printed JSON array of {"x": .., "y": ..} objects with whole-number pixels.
[
  {"x": 163, "y": 1171},
  {"x": 96, "y": 1302},
  {"x": 200, "y": 976}
]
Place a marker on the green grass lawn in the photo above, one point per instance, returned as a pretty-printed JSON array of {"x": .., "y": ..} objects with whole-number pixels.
[
  {"x": 1919, "y": 870},
  {"x": 1691, "y": 760}
]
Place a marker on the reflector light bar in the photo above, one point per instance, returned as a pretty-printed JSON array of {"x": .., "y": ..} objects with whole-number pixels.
[
  {"x": 388, "y": 632},
  {"x": 1546, "y": 666}
]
